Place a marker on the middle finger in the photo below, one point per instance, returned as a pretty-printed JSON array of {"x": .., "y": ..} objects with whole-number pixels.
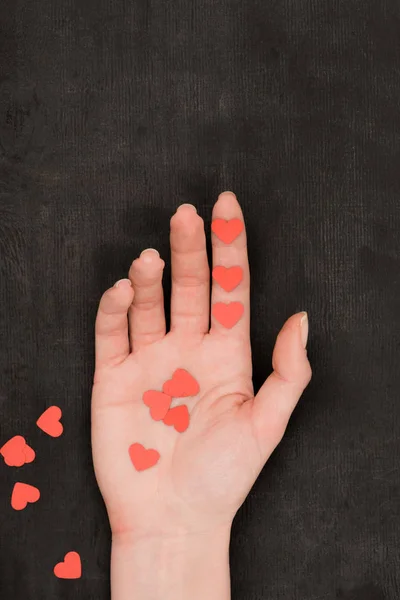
[{"x": 190, "y": 295}]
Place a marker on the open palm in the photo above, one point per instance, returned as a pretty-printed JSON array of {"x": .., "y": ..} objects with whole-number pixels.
[{"x": 204, "y": 473}]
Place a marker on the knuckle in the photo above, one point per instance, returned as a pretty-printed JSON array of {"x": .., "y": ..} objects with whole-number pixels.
[
  {"x": 147, "y": 304},
  {"x": 191, "y": 278},
  {"x": 306, "y": 374}
]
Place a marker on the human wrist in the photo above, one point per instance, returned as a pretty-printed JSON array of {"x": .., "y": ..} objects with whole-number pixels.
[{"x": 181, "y": 564}]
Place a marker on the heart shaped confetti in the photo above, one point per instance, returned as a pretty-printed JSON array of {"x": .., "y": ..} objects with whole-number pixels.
[
  {"x": 71, "y": 568},
  {"x": 158, "y": 402},
  {"x": 227, "y": 231},
  {"x": 143, "y": 458},
  {"x": 23, "y": 494},
  {"x": 228, "y": 277},
  {"x": 49, "y": 421},
  {"x": 181, "y": 385},
  {"x": 16, "y": 452},
  {"x": 228, "y": 314},
  {"x": 178, "y": 417}
]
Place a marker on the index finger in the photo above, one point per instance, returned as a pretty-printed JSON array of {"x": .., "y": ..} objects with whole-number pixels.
[{"x": 230, "y": 296}]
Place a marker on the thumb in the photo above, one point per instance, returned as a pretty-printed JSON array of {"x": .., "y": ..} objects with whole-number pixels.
[{"x": 278, "y": 396}]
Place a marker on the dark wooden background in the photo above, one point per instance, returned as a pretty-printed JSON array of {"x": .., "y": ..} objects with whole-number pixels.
[{"x": 112, "y": 112}]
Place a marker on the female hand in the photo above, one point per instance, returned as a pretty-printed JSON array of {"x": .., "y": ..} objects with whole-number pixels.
[{"x": 202, "y": 475}]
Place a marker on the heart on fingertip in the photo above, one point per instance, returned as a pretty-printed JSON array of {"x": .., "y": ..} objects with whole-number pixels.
[
  {"x": 178, "y": 417},
  {"x": 227, "y": 231},
  {"x": 49, "y": 421},
  {"x": 228, "y": 277},
  {"x": 227, "y": 314},
  {"x": 158, "y": 402},
  {"x": 70, "y": 568},
  {"x": 143, "y": 458},
  {"x": 23, "y": 494},
  {"x": 16, "y": 452},
  {"x": 181, "y": 385}
]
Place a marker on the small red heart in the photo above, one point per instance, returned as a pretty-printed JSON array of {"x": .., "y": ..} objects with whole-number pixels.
[
  {"x": 158, "y": 402},
  {"x": 16, "y": 452},
  {"x": 228, "y": 314},
  {"x": 22, "y": 494},
  {"x": 29, "y": 454},
  {"x": 49, "y": 421},
  {"x": 143, "y": 458},
  {"x": 227, "y": 231},
  {"x": 71, "y": 568},
  {"x": 178, "y": 417},
  {"x": 228, "y": 277},
  {"x": 181, "y": 384}
]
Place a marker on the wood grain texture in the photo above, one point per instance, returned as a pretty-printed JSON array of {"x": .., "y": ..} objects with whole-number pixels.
[{"x": 111, "y": 114}]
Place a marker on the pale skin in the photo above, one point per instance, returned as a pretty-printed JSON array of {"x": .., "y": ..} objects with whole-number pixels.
[{"x": 171, "y": 523}]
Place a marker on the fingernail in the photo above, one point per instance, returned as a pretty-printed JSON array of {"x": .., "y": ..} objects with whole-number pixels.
[
  {"x": 149, "y": 258},
  {"x": 304, "y": 329},
  {"x": 128, "y": 281},
  {"x": 149, "y": 250},
  {"x": 191, "y": 206}
]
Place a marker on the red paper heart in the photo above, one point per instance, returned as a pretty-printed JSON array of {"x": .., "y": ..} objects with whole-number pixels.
[
  {"x": 143, "y": 458},
  {"x": 71, "y": 568},
  {"x": 178, "y": 417},
  {"x": 22, "y": 494},
  {"x": 228, "y": 314},
  {"x": 49, "y": 421},
  {"x": 158, "y": 402},
  {"x": 181, "y": 385},
  {"x": 29, "y": 454},
  {"x": 228, "y": 277},
  {"x": 227, "y": 231},
  {"x": 16, "y": 452}
]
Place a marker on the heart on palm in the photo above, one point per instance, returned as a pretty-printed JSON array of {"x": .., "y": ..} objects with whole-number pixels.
[{"x": 181, "y": 385}]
